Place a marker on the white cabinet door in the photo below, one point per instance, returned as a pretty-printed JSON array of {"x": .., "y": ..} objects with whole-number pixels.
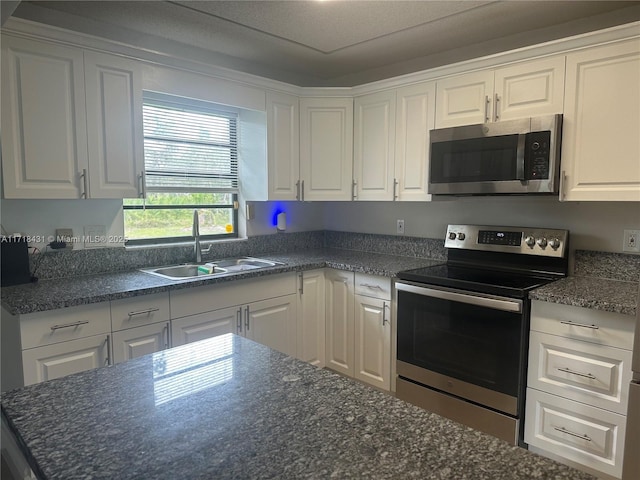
[
  {"x": 138, "y": 341},
  {"x": 114, "y": 126},
  {"x": 340, "y": 321},
  {"x": 204, "y": 325},
  {"x": 311, "y": 318},
  {"x": 415, "y": 117},
  {"x": 373, "y": 341},
  {"x": 464, "y": 99},
  {"x": 600, "y": 147},
  {"x": 273, "y": 323},
  {"x": 374, "y": 142},
  {"x": 44, "y": 138},
  {"x": 525, "y": 89},
  {"x": 283, "y": 146},
  {"x": 326, "y": 148},
  {"x": 529, "y": 89},
  {"x": 62, "y": 359}
]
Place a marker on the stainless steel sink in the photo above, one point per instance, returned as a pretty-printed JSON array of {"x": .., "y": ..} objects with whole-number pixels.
[{"x": 190, "y": 270}]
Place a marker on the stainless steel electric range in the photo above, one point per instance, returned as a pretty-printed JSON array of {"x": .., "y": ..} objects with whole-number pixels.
[{"x": 463, "y": 327}]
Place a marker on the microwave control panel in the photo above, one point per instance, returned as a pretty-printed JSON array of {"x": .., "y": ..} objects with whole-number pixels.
[{"x": 538, "y": 147}]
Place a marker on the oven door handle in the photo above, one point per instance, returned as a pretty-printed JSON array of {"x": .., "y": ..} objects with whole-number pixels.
[{"x": 471, "y": 298}]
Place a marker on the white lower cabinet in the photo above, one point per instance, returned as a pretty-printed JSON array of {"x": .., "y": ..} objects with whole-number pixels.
[
  {"x": 62, "y": 359},
  {"x": 310, "y": 327},
  {"x": 340, "y": 321},
  {"x": 272, "y": 323},
  {"x": 373, "y": 341},
  {"x": 578, "y": 386},
  {"x": 262, "y": 309},
  {"x": 359, "y": 326},
  {"x": 204, "y": 325},
  {"x": 139, "y": 341}
]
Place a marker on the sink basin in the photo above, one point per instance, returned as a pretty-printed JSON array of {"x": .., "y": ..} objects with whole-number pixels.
[
  {"x": 180, "y": 272},
  {"x": 190, "y": 270}
]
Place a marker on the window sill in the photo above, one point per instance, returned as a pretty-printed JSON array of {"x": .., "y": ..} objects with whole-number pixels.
[{"x": 184, "y": 244}]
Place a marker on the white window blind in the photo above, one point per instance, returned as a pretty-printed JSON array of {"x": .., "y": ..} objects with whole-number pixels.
[{"x": 189, "y": 147}]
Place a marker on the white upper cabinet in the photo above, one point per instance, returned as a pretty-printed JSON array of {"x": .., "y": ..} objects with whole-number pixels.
[
  {"x": 62, "y": 137},
  {"x": 464, "y": 99},
  {"x": 373, "y": 149},
  {"x": 114, "y": 126},
  {"x": 44, "y": 137},
  {"x": 524, "y": 89},
  {"x": 391, "y": 143},
  {"x": 283, "y": 146},
  {"x": 326, "y": 148},
  {"x": 529, "y": 89},
  {"x": 600, "y": 146},
  {"x": 415, "y": 117}
]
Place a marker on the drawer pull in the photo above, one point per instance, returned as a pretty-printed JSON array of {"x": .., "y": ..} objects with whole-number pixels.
[
  {"x": 586, "y": 375},
  {"x": 369, "y": 285},
  {"x": 569, "y": 432},
  {"x": 143, "y": 312},
  {"x": 583, "y": 325},
  {"x": 69, "y": 325}
]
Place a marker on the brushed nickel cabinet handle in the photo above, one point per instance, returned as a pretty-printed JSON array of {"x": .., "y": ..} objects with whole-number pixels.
[
  {"x": 301, "y": 277},
  {"x": 582, "y": 325},
  {"x": 69, "y": 325},
  {"x": 586, "y": 375},
  {"x": 239, "y": 321},
  {"x": 497, "y": 107},
  {"x": 107, "y": 359},
  {"x": 384, "y": 314},
  {"x": 486, "y": 108},
  {"x": 143, "y": 312},
  {"x": 165, "y": 331},
  {"x": 298, "y": 190},
  {"x": 395, "y": 189},
  {"x": 85, "y": 184},
  {"x": 573, "y": 434},
  {"x": 354, "y": 190},
  {"x": 246, "y": 318}
]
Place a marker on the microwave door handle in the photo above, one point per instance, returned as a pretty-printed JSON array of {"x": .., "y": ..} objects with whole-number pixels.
[{"x": 520, "y": 155}]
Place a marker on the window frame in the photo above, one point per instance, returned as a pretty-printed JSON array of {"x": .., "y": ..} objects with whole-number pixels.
[{"x": 198, "y": 106}]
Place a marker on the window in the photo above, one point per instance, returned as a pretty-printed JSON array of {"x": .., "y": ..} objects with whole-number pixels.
[{"x": 191, "y": 163}]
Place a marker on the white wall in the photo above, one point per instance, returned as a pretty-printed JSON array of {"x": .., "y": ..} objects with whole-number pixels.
[
  {"x": 592, "y": 225},
  {"x": 40, "y": 218}
]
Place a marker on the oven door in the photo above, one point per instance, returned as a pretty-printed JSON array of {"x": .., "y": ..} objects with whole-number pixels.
[{"x": 464, "y": 343}]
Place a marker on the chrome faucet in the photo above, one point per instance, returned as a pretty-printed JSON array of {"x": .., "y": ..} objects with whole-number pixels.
[{"x": 196, "y": 238}]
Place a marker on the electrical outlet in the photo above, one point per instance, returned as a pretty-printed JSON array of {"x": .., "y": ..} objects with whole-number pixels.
[
  {"x": 95, "y": 236},
  {"x": 400, "y": 227},
  {"x": 631, "y": 241}
]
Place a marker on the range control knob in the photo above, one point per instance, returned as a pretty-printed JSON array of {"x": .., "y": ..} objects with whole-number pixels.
[
  {"x": 535, "y": 146},
  {"x": 452, "y": 235},
  {"x": 461, "y": 236},
  {"x": 554, "y": 243},
  {"x": 542, "y": 242},
  {"x": 530, "y": 241}
]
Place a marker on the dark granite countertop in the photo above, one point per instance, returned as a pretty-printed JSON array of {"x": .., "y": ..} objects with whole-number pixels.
[
  {"x": 228, "y": 408},
  {"x": 67, "y": 292},
  {"x": 591, "y": 292}
]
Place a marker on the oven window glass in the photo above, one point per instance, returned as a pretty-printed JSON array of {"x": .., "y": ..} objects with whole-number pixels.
[
  {"x": 474, "y": 160},
  {"x": 474, "y": 344}
]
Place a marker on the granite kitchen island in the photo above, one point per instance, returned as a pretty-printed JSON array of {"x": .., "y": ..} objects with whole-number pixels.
[{"x": 228, "y": 408}]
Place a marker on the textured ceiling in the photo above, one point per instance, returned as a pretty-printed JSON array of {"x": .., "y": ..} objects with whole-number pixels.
[{"x": 332, "y": 42}]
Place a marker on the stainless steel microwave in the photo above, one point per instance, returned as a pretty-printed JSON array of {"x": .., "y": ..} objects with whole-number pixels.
[{"x": 511, "y": 157}]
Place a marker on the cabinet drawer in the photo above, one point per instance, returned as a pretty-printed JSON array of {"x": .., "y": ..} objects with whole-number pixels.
[
  {"x": 138, "y": 311},
  {"x": 596, "y": 326},
  {"x": 62, "y": 359},
  {"x": 192, "y": 301},
  {"x": 46, "y": 328},
  {"x": 586, "y": 435},
  {"x": 373, "y": 286},
  {"x": 586, "y": 372}
]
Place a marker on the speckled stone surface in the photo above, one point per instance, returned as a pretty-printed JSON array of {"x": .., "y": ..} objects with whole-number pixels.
[
  {"x": 228, "y": 408},
  {"x": 67, "y": 292},
  {"x": 389, "y": 244},
  {"x": 591, "y": 292},
  {"x": 603, "y": 281},
  {"x": 616, "y": 266}
]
